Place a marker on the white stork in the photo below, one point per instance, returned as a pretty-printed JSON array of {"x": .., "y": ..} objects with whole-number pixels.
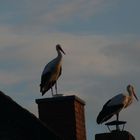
[
  {"x": 51, "y": 73},
  {"x": 115, "y": 105}
]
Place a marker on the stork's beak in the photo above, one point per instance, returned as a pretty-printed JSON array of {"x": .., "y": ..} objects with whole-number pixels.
[
  {"x": 62, "y": 51},
  {"x": 135, "y": 95}
]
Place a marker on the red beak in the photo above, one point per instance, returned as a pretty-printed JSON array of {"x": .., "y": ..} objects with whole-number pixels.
[
  {"x": 135, "y": 95},
  {"x": 62, "y": 51}
]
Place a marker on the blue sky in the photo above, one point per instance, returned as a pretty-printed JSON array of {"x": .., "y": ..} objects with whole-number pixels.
[{"x": 100, "y": 38}]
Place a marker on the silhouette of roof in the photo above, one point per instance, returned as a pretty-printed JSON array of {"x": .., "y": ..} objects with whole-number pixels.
[{"x": 16, "y": 123}]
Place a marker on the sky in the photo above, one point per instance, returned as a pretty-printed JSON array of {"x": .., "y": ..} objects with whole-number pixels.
[{"x": 101, "y": 41}]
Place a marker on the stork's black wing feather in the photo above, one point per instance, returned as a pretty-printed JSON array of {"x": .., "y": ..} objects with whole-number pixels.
[
  {"x": 45, "y": 82},
  {"x": 107, "y": 112}
]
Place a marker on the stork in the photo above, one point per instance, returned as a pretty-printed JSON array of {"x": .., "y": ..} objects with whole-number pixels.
[
  {"x": 51, "y": 73},
  {"x": 115, "y": 105}
]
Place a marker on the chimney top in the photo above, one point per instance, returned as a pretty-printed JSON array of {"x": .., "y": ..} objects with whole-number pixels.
[{"x": 60, "y": 98}]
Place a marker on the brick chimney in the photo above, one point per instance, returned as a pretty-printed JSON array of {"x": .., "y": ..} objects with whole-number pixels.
[{"x": 65, "y": 115}]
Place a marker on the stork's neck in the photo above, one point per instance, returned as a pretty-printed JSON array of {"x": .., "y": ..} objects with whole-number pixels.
[
  {"x": 130, "y": 93},
  {"x": 59, "y": 55},
  {"x": 129, "y": 99}
]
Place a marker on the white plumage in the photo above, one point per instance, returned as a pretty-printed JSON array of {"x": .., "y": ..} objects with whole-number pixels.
[
  {"x": 51, "y": 72},
  {"x": 116, "y": 104}
]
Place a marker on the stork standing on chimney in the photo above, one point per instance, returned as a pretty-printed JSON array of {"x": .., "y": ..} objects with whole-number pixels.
[
  {"x": 51, "y": 73},
  {"x": 116, "y": 104}
]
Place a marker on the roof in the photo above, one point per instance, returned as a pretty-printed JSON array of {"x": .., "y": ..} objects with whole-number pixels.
[{"x": 18, "y": 123}]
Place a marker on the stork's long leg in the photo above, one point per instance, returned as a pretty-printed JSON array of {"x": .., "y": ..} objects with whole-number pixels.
[
  {"x": 117, "y": 119},
  {"x": 56, "y": 87},
  {"x": 117, "y": 115},
  {"x": 52, "y": 91}
]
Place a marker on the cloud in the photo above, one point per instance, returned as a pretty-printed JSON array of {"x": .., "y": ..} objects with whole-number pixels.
[
  {"x": 34, "y": 15},
  {"x": 8, "y": 79},
  {"x": 73, "y": 9},
  {"x": 92, "y": 55}
]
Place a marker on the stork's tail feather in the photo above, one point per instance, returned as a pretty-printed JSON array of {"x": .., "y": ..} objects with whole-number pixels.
[
  {"x": 43, "y": 92},
  {"x": 45, "y": 87},
  {"x": 108, "y": 112},
  {"x": 102, "y": 117},
  {"x": 40, "y": 88}
]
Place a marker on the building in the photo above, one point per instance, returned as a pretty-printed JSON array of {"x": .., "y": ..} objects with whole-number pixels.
[{"x": 16, "y": 123}]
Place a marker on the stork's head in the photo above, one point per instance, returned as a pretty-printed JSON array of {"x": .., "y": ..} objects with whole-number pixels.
[
  {"x": 58, "y": 48},
  {"x": 131, "y": 90}
]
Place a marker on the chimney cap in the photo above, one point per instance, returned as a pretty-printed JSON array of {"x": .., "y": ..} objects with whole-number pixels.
[{"x": 60, "y": 98}]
